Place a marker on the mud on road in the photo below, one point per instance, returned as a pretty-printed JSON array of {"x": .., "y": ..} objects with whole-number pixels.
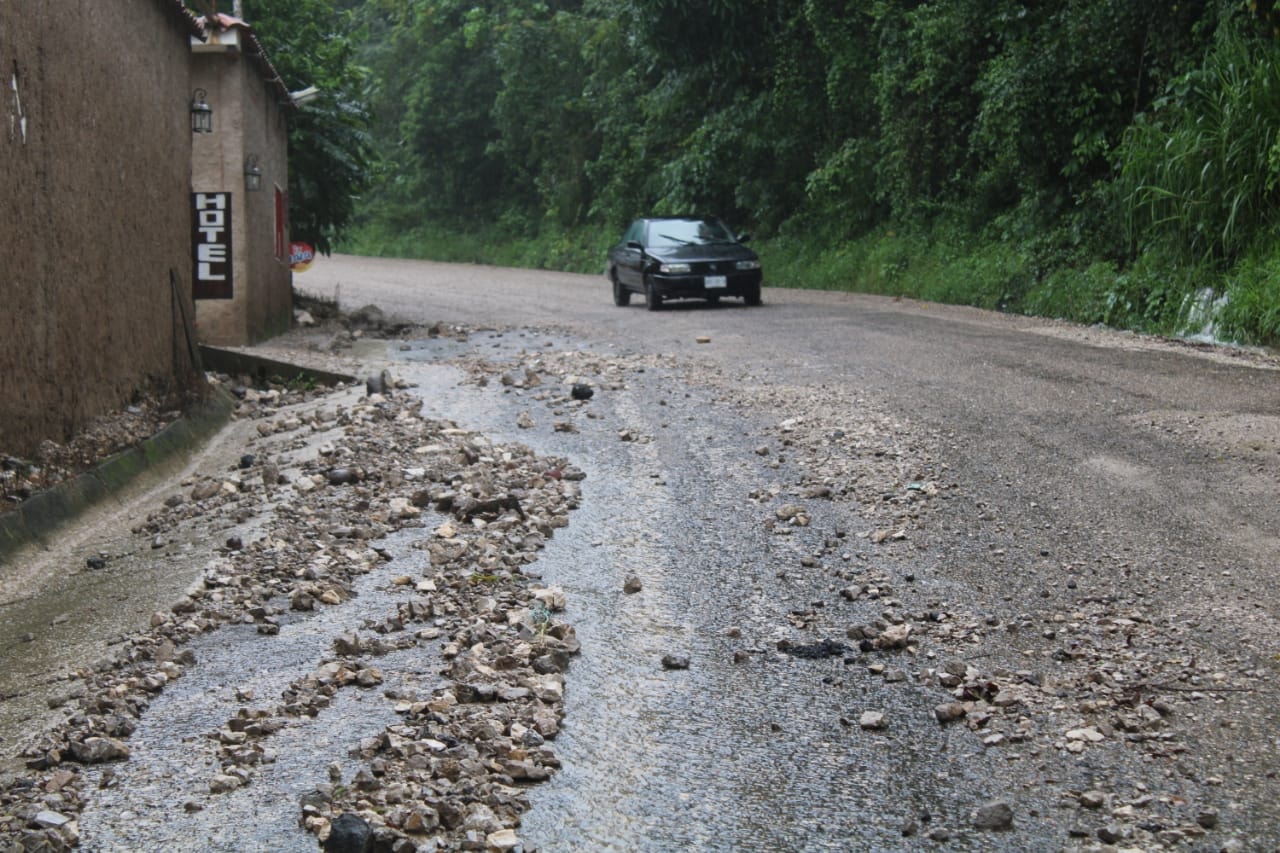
[{"x": 895, "y": 638}]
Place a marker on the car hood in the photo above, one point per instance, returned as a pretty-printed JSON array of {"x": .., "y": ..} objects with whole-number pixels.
[{"x": 706, "y": 252}]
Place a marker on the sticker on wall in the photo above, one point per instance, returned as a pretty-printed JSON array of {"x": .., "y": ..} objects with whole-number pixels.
[
  {"x": 301, "y": 256},
  {"x": 211, "y": 245}
]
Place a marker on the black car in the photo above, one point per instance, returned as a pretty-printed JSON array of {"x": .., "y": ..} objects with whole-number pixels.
[{"x": 683, "y": 257}]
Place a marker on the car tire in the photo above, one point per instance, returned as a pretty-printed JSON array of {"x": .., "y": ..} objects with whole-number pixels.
[
  {"x": 621, "y": 296},
  {"x": 652, "y": 298},
  {"x": 713, "y": 299},
  {"x": 752, "y": 296}
]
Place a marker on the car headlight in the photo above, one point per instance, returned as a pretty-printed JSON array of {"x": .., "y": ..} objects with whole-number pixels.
[
  {"x": 674, "y": 268},
  {"x": 748, "y": 265}
]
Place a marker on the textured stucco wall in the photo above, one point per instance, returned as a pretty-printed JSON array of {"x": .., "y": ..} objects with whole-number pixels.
[
  {"x": 95, "y": 166},
  {"x": 248, "y": 120}
]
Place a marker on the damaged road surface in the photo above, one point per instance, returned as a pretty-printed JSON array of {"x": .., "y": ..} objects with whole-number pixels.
[{"x": 839, "y": 573}]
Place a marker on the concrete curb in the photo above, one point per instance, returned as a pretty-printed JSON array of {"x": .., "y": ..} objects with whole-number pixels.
[
  {"x": 38, "y": 516},
  {"x": 237, "y": 363},
  {"x": 41, "y": 514}
]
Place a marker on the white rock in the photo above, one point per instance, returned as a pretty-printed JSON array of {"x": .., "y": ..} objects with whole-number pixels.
[
  {"x": 502, "y": 840},
  {"x": 1089, "y": 734},
  {"x": 552, "y": 597},
  {"x": 52, "y": 819},
  {"x": 872, "y": 720}
]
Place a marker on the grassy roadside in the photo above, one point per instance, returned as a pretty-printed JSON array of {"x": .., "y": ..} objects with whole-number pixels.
[
  {"x": 1042, "y": 276},
  {"x": 581, "y": 250}
]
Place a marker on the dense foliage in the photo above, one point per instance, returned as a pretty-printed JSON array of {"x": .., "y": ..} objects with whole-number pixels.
[
  {"x": 313, "y": 43},
  {"x": 1103, "y": 160}
]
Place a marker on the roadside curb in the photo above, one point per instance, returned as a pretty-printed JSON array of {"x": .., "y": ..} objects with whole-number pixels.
[
  {"x": 241, "y": 363},
  {"x": 42, "y": 513}
]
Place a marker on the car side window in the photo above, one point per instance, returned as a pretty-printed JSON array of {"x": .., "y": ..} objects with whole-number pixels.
[{"x": 635, "y": 232}]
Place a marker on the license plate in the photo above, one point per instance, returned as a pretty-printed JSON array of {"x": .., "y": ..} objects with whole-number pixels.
[{"x": 715, "y": 281}]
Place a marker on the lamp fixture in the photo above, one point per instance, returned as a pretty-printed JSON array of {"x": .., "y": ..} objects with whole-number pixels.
[
  {"x": 252, "y": 174},
  {"x": 201, "y": 113}
]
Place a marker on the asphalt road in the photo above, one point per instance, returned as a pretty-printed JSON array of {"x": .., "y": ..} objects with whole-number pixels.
[
  {"x": 1099, "y": 485},
  {"x": 943, "y": 578},
  {"x": 1158, "y": 445}
]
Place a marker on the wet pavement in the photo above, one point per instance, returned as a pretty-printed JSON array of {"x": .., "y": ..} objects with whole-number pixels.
[
  {"x": 146, "y": 802},
  {"x": 759, "y": 523},
  {"x": 758, "y": 754}
]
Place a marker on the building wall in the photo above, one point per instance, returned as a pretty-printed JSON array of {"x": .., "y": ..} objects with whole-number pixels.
[
  {"x": 95, "y": 176},
  {"x": 248, "y": 120}
]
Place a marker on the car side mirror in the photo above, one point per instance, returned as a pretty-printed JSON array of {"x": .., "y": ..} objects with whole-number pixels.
[
  {"x": 742, "y": 238},
  {"x": 634, "y": 244}
]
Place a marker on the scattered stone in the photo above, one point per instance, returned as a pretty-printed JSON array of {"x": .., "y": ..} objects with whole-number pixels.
[
  {"x": 97, "y": 750},
  {"x": 342, "y": 476},
  {"x": 793, "y": 514},
  {"x": 873, "y": 721},
  {"x": 205, "y": 490},
  {"x": 894, "y": 637},
  {"x": 51, "y": 819},
  {"x": 996, "y": 815},
  {"x": 631, "y": 585},
  {"x": 349, "y": 833},
  {"x": 820, "y": 649},
  {"x": 673, "y": 661},
  {"x": 223, "y": 783},
  {"x": 582, "y": 391},
  {"x": 1110, "y": 834},
  {"x": 503, "y": 840},
  {"x": 1093, "y": 799}
]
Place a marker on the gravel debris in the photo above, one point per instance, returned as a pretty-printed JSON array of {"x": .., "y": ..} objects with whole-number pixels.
[{"x": 455, "y": 765}]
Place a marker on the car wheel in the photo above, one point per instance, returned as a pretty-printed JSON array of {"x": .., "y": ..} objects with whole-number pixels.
[
  {"x": 652, "y": 298},
  {"x": 713, "y": 299},
  {"x": 752, "y": 296},
  {"x": 621, "y": 296}
]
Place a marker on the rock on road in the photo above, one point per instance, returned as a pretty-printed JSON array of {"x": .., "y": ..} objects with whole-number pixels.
[
  {"x": 846, "y": 573},
  {"x": 1103, "y": 558}
]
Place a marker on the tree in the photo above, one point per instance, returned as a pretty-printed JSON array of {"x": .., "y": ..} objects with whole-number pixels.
[{"x": 313, "y": 43}]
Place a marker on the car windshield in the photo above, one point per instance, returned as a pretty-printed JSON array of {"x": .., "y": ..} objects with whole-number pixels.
[{"x": 688, "y": 232}]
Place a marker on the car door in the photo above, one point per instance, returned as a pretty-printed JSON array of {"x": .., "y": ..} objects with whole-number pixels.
[{"x": 630, "y": 260}]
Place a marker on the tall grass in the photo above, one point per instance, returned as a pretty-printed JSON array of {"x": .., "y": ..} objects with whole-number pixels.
[
  {"x": 1252, "y": 312},
  {"x": 1200, "y": 173}
]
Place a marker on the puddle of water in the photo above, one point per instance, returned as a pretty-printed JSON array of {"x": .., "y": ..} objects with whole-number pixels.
[{"x": 144, "y": 807}]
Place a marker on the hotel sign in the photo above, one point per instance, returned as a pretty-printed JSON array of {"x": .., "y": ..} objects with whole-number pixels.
[{"x": 211, "y": 245}]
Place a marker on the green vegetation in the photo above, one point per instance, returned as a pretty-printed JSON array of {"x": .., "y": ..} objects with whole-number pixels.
[
  {"x": 313, "y": 43},
  {"x": 1095, "y": 160}
]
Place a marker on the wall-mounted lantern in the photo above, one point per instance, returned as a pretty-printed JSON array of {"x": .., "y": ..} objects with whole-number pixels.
[
  {"x": 252, "y": 174},
  {"x": 201, "y": 113}
]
